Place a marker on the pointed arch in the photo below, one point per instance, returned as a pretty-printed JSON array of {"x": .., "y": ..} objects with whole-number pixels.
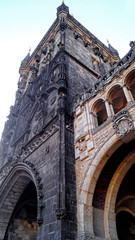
[{"x": 11, "y": 189}]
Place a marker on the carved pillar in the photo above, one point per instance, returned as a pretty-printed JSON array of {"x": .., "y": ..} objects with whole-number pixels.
[
  {"x": 61, "y": 208},
  {"x": 127, "y": 94},
  {"x": 108, "y": 109}
]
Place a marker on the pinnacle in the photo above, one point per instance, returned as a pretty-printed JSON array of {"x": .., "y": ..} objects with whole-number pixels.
[{"x": 62, "y": 8}]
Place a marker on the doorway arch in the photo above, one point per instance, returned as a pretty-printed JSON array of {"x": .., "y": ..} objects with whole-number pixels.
[{"x": 15, "y": 204}]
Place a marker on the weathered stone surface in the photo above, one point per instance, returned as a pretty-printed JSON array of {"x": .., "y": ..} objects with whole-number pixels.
[{"x": 62, "y": 136}]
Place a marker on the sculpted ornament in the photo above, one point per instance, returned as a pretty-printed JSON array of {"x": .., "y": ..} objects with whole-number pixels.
[
  {"x": 60, "y": 213},
  {"x": 122, "y": 123},
  {"x": 40, "y": 140},
  {"x": 82, "y": 145}
]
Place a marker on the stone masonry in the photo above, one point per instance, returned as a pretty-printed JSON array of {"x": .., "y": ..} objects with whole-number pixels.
[{"x": 68, "y": 143}]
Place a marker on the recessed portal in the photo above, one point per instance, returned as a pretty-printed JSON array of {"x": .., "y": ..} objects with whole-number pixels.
[{"x": 23, "y": 223}]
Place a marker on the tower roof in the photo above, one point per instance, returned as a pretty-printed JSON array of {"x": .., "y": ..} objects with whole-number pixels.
[{"x": 62, "y": 9}]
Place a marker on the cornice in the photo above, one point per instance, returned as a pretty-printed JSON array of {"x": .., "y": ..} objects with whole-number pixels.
[
  {"x": 43, "y": 40},
  {"x": 90, "y": 35},
  {"x": 116, "y": 69}
]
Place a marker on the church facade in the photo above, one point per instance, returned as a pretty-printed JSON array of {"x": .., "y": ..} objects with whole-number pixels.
[{"x": 67, "y": 152}]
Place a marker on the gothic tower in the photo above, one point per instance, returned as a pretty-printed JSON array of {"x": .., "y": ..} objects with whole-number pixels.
[{"x": 73, "y": 115}]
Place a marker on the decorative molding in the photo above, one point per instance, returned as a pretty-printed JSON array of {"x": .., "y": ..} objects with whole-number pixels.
[
  {"x": 82, "y": 145},
  {"x": 122, "y": 123},
  {"x": 104, "y": 79},
  {"x": 40, "y": 140},
  {"x": 69, "y": 123}
]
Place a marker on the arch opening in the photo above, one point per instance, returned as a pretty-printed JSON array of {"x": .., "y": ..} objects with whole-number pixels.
[
  {"x": 23, "y": 222},
  {"x": 100, "y": 111},
  {"x": 102, "y": 189},
  {"x": 117, "y": 98},
  {"x": 125, "y": 207},
  {"x": 18, "y": 209},
  {"x": 131, "y": 83}
]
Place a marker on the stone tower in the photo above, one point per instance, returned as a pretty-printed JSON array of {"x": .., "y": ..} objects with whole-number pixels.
[{"x": 73, "y": 115}]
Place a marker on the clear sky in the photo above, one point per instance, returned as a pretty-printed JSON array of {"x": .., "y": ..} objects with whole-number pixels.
[{"x": 23, "y": 23}]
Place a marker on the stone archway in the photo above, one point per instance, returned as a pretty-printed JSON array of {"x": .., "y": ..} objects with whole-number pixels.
[
  {"x": 88, "y": 184},
  {"x": 23, "y": 222},
  {"x": 16, "y": 202},
  {"x": 85, "y": 207},
  {"x": 110, "y": 203}
]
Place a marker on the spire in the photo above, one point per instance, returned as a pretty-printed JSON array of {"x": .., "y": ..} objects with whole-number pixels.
[
  {"x": 112, "y": 49},
  {"x": 62, "y": 8},
  {"x": 25, "y": 60}
]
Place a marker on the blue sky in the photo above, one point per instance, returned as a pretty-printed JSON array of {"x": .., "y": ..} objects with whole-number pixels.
[{"x": 23, "y": 23}]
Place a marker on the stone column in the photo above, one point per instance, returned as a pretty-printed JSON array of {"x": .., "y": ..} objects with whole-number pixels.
[
  {"x": 130, "y": 93},
  {"x": 127, "y": 94},
  {"x": 108, "y": 109},
  {"x": 112, "y": 110}
]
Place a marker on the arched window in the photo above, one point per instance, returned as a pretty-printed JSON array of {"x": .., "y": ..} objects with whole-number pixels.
[
  {"x": 131, "y": 83},
  {"x": 100, "y": 112},
  {"x": 117, "y": 98}
]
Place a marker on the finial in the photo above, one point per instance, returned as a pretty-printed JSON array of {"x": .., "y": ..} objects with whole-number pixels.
[
  {"x": 29, "y": 50},
  {"x": 107, "y": 41},
  {"x": 62, "y": 8}
]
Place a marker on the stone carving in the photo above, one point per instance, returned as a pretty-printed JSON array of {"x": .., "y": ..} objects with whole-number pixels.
[
  {"x": 19, "y": 148},
  {"x": 52, "y": 113},
  {"x": 69, "y": 123},
  {"x": 82, "y": 145},
  {"x": 5, "y": 172},
  {"x": 62, "y": 27},
  {"x": 53, "y": 100},
  {"x": 47, "y": 53},
  {"x": 76, "y": 35},
  {"x": 40, "y": 140},
  {"x": 122, "y": 123},
  {"x": 47, "y": 150},
  {"x": 60, "y": 213},
  {"x": 21, "y": 124},
  {"x": 38, "y": 125},
  {"x": 132, "y": 44}
]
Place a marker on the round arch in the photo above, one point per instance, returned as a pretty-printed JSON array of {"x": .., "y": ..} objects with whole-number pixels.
[
  {"x": 117, "y": 98},
  {"x": 98, "y": 107},
  {"x": 89, "y": 181},
  {"x": 130, "y": 83},
  {"x": 110, "y": 203}
]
